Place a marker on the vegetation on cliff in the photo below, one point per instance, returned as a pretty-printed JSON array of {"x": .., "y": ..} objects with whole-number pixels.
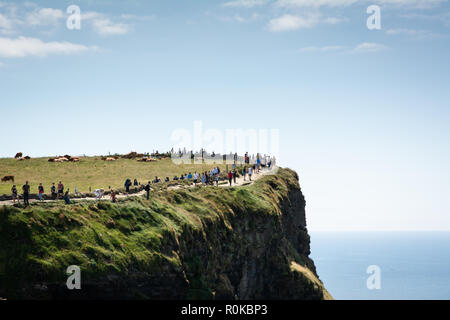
[{"x": 247, "y": 242}]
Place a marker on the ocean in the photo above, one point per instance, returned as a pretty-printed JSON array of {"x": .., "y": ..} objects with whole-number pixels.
[{"x": 412, "y": 265}]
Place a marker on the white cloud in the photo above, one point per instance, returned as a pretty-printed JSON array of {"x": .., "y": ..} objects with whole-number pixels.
[
  {"x": 420, "y": 34},
  {"x": 366, "y": 47},
  {"x": 343, "y": 3},
  {"x": 106, "y": 27},
  {"x": 45, "y": 16},
  {"x": 6, "y": 24},
  {"x": 290, "y": 22},
  {"x": 23, "y": 47},
  {"x": 369, "y": 47},
  {"x": 322, "y": 49},
  {"x": 245, "y": 3}
]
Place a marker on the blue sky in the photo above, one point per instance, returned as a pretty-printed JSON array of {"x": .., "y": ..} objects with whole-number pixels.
[{"x": 363, "y": 114}]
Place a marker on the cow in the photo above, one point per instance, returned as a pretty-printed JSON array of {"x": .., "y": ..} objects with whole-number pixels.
[
  {"x": 18, "y": 155},
  {"x": 8, "y": 178},
  {"x": 110, "y": 159}
]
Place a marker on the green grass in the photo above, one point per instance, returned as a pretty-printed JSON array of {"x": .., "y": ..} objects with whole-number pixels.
[
  {"x": 40, "y": 241},
  {"x": 90, "y": 172}
]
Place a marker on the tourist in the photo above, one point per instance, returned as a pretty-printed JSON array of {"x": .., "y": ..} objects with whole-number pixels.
[
  {"x": 26, "y": 193},
  {"x": 136, "y": 183},
  {"x": 14, "y": 193},
  {"x": 195, "y": 177},
  {"x": 250, "y": 172},
  {"x": 41, "y": 192},
  {"x": 113, "y": 196},
  {"x": 76, "y": 190},
  {"x": 147, "y": 189},
  {"x": 203, "y": 179},
  {"x": 53, "y": 191},
  {"x": 99, "y": 193},
  {"x": 189, "y": 176},
  {"x": 244, "y": 173},
  {"x": 230, "y": 177},
  {"x": 234, "y": 176},
  {"x": 217, "y": 180},
  {"x": 127, "y": 185},
  {"x": 66, "y": 197},
  {"x": 167, "y": 179},
  {"x": 60, "y": 189}
]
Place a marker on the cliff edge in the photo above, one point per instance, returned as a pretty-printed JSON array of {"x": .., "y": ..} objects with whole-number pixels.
[{"x": 198, "y": 243}]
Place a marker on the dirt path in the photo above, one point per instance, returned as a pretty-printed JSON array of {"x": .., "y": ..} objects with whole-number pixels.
[{"x": 239, "y": 182}]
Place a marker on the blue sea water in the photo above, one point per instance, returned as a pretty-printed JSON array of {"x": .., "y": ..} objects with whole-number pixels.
[{"x": 413, "y": 265}]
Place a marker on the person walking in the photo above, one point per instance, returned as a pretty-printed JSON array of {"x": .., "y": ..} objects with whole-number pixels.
[
  {"x": 217, "y": 180},
  {"x": 41, "y": 192},
  {"x": 234, "y": 176},
  {"x": 203, "y": 177},
  {"x": 26, "y": 193},
  {"x": 113, "y": 196},
  {"x": 14, "y": 194},
  {"x": 230, "y": 177},
  {"x": 250, "y": 172},
  {"x": 147, "y": 189},
  {"x": 244, "y": 173}
]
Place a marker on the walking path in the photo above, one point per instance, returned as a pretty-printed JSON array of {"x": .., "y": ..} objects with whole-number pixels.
[{"x": 239, "y": 182}]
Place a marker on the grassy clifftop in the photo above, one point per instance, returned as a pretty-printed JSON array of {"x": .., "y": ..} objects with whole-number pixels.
[{"x": 247, "y": 242}]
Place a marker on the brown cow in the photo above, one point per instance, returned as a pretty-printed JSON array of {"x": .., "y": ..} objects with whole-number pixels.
[
  {"x": 8, "y": 178},
  {"x": 18, "y": 155}
]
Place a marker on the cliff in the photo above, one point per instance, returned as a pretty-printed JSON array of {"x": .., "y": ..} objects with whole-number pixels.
[{"x": 199, "y": 243}]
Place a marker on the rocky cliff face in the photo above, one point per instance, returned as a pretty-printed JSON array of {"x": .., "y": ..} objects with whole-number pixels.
[{"x": 244, "y": 243}]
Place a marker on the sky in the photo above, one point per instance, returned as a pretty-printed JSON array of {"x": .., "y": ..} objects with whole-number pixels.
[{"x": 362, "y": 113}]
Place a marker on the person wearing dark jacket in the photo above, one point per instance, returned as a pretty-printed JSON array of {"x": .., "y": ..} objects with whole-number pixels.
[
  {"x": 147, "y": 189},
  {"x": 26, "y": 193},
  {"x": 127, "y": 185}
]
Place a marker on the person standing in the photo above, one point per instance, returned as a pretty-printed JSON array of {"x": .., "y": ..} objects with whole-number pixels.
[
  {"x": 14, "y": 193},
  {"x": 147, "y": 189},
  {"x": 26, "y": 193},
  {"x": 60, "y": 190},
  {"x": 53, "y": 191},
  {"x": 250, "y": 172},
  {"x": 234, "y": 176},
  {"x": 244, "y": 172},
  {"x": 41, "y": 192},
  {"x": 127, "y": 185},
  {"x": 230, "y": 177}
]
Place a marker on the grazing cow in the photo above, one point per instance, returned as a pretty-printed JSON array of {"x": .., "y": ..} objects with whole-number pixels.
[
  {"x": 27, "y": 158},
  {"x": 8, "y": 178},
  {"x": 18, "y": 155}
]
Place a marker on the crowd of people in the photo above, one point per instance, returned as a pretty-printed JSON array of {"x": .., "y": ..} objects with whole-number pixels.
[{"x": 206, "y": 178}]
